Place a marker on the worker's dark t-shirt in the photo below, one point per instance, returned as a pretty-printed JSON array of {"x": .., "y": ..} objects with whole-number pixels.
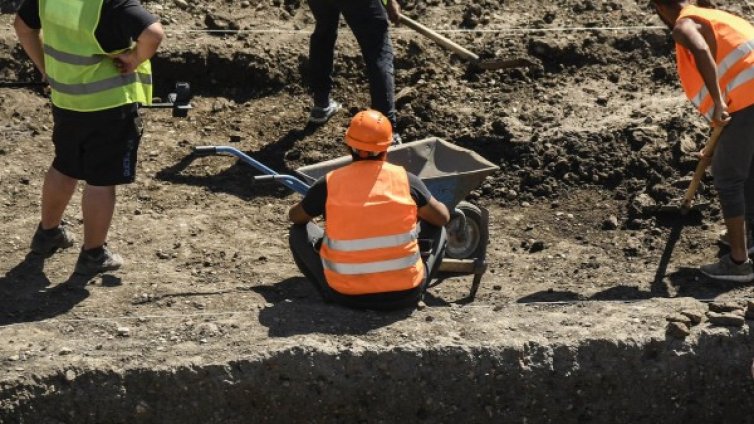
[
  {"x": 121, "y": 22},
  {"x": 316, "y": 198}
]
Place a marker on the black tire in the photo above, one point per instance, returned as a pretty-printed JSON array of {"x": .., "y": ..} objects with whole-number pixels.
[{"x": 471, "y": 241}]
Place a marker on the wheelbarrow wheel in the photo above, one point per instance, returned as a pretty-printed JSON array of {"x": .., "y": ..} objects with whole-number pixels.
[{"x": 467, "y": 240}]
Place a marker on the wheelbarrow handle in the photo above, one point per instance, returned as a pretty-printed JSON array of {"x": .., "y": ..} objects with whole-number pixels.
[
  {"x": 701, "y": 168},
  {"x": 439, "y": 39},
  {"x": 205, "y": 150}
]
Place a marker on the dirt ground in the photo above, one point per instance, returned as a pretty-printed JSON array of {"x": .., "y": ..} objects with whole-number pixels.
[{"x": 597, "y": 128}]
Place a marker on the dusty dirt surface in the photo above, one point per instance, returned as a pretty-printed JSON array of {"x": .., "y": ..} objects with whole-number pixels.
[{"x": 587, "y": 140}]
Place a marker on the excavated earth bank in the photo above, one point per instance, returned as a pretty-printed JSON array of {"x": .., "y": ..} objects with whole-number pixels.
[{"x": 210, "y": 321}]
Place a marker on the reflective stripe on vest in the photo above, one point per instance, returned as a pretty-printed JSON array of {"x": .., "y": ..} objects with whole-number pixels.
[
  {"x": 733, "y": 58},
  {"x": 102, "y": 85},
  {"x": 72, "y": 59},
  {"x": 371, "y": 243},
  {"x": 372, "y": 267}
]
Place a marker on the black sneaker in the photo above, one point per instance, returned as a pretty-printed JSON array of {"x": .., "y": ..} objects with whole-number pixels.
[
  {"x": 95, "y": 263},
  {"x": 46, "y": 242},
  {"x": 320, "y": 115}
]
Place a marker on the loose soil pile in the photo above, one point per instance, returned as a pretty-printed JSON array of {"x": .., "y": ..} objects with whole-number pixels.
[{"x": 587, "y": 139}]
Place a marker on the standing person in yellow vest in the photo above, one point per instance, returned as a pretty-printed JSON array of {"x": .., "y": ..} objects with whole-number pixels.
[
  {"x": 95, "y": 56},
  {"x": 715, "y": 54},
  {"x": 371, "y": 254},
  {"x": 368, "y": 20}
]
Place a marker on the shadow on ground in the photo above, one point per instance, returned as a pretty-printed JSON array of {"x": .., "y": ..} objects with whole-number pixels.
[
  {"x": 295, "y": 308},
  {"x": 237, "y": 180},
  {"x": 26, "y": 295}
]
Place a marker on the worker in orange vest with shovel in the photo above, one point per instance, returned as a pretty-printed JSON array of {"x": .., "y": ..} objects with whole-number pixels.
[{"x": 715, "y": 55}]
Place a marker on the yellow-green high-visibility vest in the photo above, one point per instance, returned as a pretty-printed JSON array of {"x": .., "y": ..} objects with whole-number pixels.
[{"x": 81, "y": 75}]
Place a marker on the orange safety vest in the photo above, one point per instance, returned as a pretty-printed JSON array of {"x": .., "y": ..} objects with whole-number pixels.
[
  {"x": 735, "y": 61},
  {"x": 370, "y": 244}
]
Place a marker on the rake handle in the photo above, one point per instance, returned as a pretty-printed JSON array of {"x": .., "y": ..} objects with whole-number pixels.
[
  {"x": 439, "y": 39},
  {"x": 701, "y": 168}
]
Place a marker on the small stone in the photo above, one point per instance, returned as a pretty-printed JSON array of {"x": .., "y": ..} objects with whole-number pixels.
[
  {"x": 722, "y": 307},
  {"x": 14, "y": 358},
  {"x": 70, "y": 375},
  {"x": 497, "y": 287},
  {"x": 727, "y": 319},
  {"x": 183, "y": 4},
  {"x": 678, "y": 330},
  {"x": 421, "y": 306},
  {"x": 65, "y": 351},
  {"x": 123, "y": 331},
  {"x": 429, "y": 318},
  {"x": 611, "y": 223},
  {"x": 537, "y": 246},
  {"x": 679, "y": 318},
  {"x": 694, "y": 316}
]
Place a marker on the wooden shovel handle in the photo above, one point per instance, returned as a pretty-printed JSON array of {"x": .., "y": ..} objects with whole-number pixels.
[
  {"x": 439, "y": 39},
  {"x": 701, "y": 167}
]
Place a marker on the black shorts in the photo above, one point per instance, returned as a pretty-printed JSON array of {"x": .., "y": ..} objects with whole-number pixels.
[{"x": 99, "y": 148}]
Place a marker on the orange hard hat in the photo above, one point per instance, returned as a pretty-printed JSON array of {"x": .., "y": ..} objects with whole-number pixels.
[{"x": 370, "y": 131}]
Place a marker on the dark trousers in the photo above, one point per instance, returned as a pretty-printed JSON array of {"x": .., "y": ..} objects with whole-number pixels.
[
  {"x": 733, "y": 166},
  {"x": 305, "y": 241},
  {"x": 369, "y": 22}
]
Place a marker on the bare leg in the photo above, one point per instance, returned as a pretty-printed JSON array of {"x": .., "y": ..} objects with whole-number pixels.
[
  {"x": 56, "y": 193},
  {"x": 737, "y": 237},
  {"x": 98, "y": 205}
]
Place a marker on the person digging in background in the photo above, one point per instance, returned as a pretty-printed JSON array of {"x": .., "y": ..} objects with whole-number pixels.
[
  {"x": 368, "y": 20},
  {"x": 95, "y": 56},
  {"x": 715, "y": 56},
  {"x": 372, "y": 252}
]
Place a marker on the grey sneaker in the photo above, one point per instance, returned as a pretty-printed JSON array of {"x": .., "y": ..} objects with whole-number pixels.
[
  {"x": 106, "y": 260},
  {"x": 47, "y": 242},
  {"x": 320, "y": 115},
  {"x": 726, "y": 269},
  {"x": 723, "y": 239}
]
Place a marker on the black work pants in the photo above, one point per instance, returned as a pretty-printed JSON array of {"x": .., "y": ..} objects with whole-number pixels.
[
  {"x": 369, "y": 22},
  {"x": 305, "y": 241}
]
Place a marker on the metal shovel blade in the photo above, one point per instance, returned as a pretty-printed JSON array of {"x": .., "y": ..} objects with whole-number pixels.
[{"x": 494, "y": 64}]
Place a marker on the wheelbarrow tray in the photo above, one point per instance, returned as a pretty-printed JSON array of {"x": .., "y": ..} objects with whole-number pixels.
[{"x": 450, "y": 172}]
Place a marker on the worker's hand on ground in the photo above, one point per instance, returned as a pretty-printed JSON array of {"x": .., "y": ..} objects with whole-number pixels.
[
  {"x": 126, "y": 62},
  {"x": 721, "y": 117},
  {"x": 394, "y": 11}
]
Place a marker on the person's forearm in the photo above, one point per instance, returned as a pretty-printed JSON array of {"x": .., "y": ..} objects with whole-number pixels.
[
  {"x": 31, "y": 41},
  {"x": 705, "y": 63},
  {"x": 148, "y": 42}
]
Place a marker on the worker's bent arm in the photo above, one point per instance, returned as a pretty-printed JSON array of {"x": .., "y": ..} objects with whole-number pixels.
[
  {"x": 146, "y": 46},
  {"x": 686, "y": 33},
  {"x": 31, "y": 41},
  {"x": 298, "y": 215},
  {"x": 435, "y": 213}
]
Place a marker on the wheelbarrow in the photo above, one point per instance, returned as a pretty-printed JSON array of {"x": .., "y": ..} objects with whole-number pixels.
[{"x": 449, "y": 172}]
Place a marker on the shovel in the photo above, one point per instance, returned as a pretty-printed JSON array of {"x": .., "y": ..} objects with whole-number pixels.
[
  {"x": 473, "y": 58},
  {"x": 701, "y": 167}
]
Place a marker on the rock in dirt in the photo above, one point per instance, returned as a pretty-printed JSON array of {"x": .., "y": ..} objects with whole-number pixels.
[
  {"x": 643, "y": 204},
  {"x": 65, "y": 351},
  {"x": 722, "y": 307},
  {"x": 683, "y": 319},
  {"x": 215, "y": 22},
  {"x": 678, "y": 330},
  {"x": 694, "y": 316},
  {"x": 727, "y": 319},
  {"x": 611, "y": 223},
  {"x": 537, "y": 246},
  {"x": 70, "y": 376},
  {"x": 123, "y": 331}
]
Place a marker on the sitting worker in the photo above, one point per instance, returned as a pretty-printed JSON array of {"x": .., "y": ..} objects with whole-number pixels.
[
  {"x": 715, "y": 54},
  {"x": 368, "y": 20},
  {"x": 373, "y": 254}
]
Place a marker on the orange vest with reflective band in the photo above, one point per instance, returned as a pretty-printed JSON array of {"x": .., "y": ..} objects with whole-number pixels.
[
  {"x": 370, "y": 244},
  {"x": 734, "y": 59}
]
